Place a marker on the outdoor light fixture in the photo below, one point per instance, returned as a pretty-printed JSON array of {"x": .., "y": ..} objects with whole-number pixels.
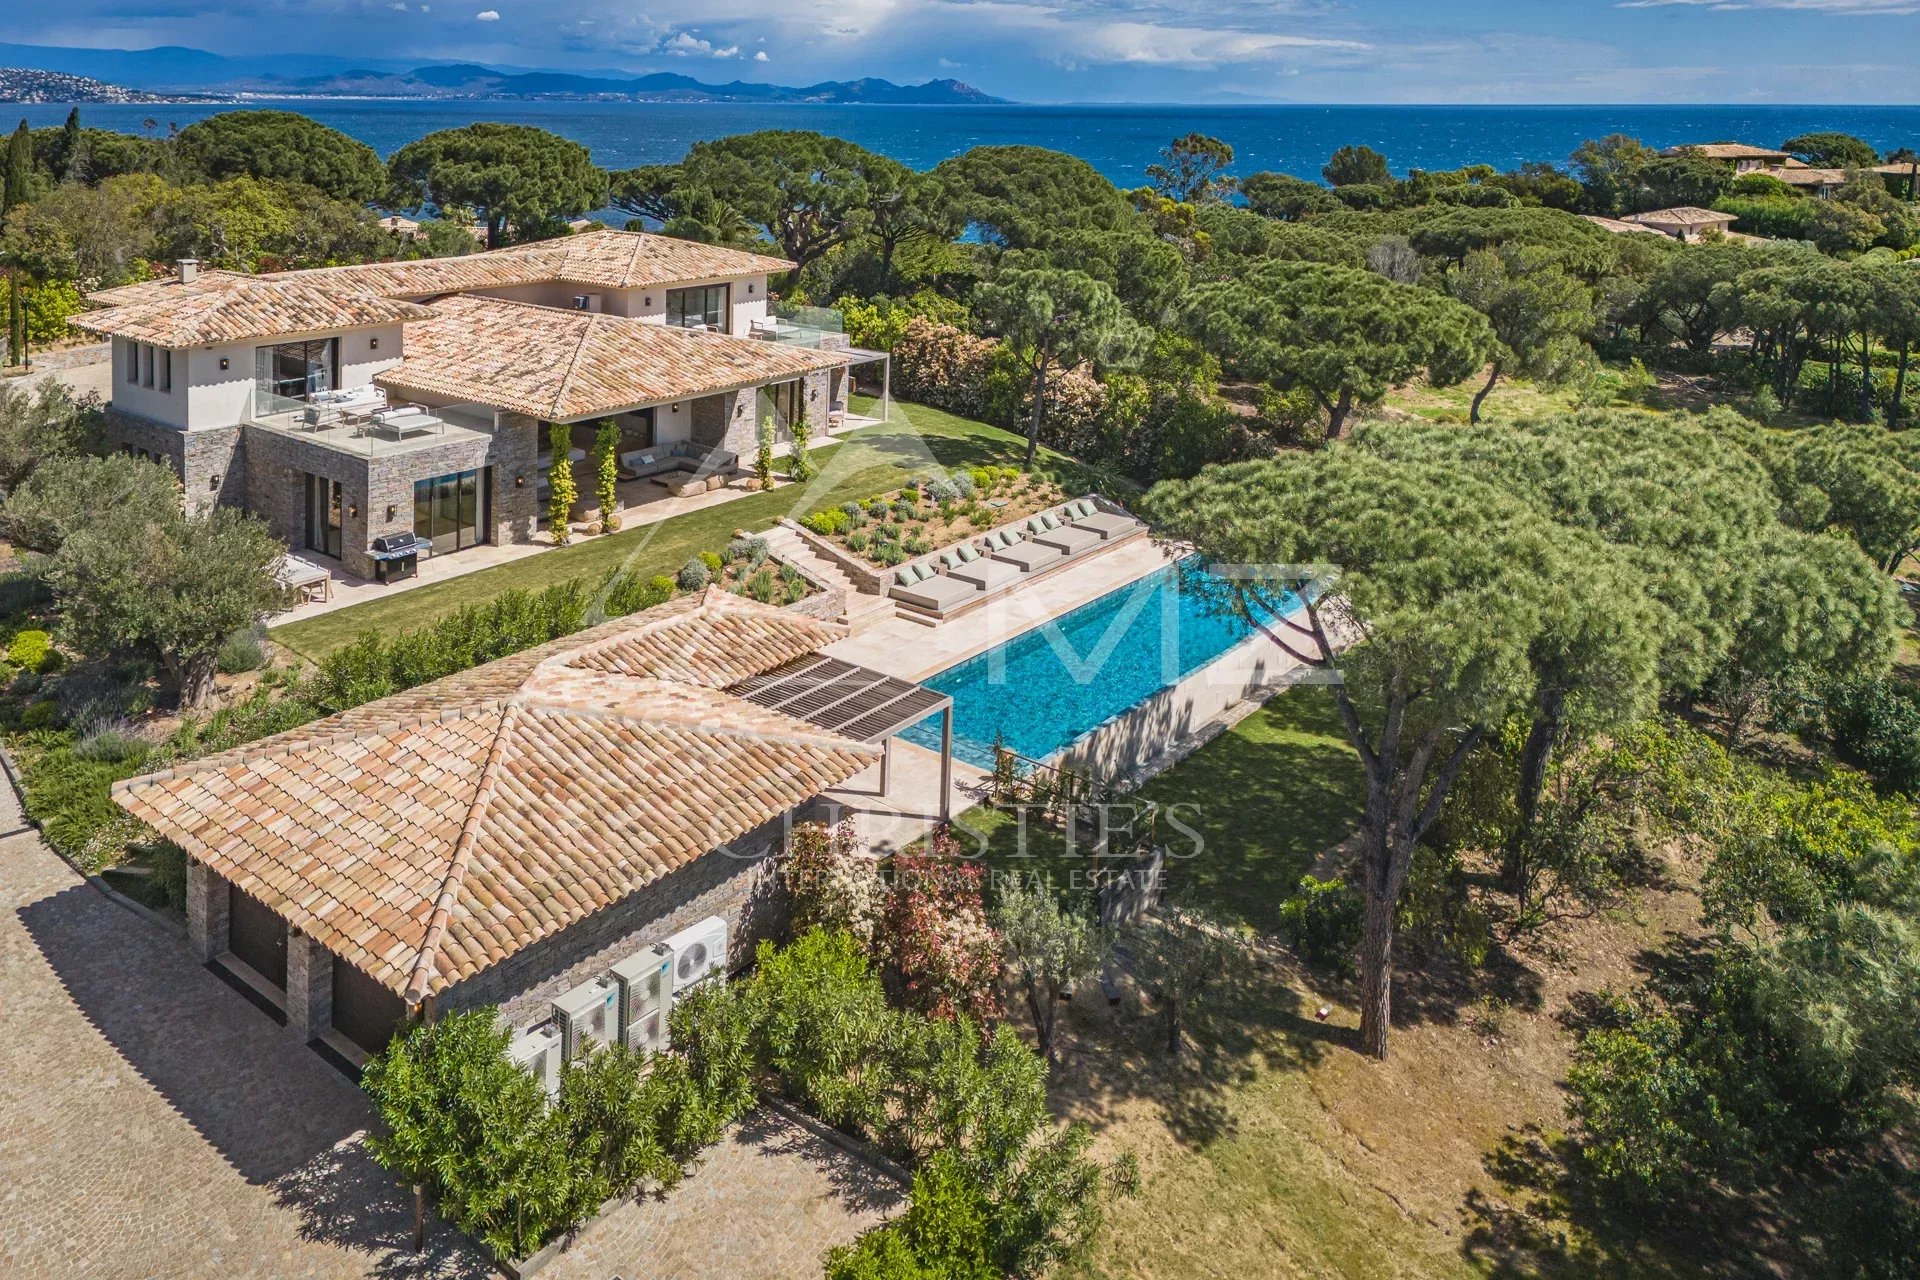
[
  {"x": 373, "y": 344},
  {"x": 353, "y": 509},
  {"x": 519, "y": 482},
  {"x": 391, "y": 510},
  {"x": 648, "y": 301},
  {"x": 223, "y": 362},
  {"x": 213, "y": 482},
  {"x": 749, "y": 288}
]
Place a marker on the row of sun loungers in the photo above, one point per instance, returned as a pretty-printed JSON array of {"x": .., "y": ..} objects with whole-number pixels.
[{"x": 959, "y": 577}]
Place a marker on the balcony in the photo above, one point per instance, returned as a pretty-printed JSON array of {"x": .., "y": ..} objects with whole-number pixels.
[
  {"x": 366, "y": 432},
  {"x": 817, "y": 327}
]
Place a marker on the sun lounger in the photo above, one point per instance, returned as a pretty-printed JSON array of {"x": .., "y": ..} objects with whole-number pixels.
[
  {"x": 935, "y": 594},
  {"x": 1029, "y": 556},
  {"x": 1071, "y": 540},
  {"x": 1108, "y": 526},
  {"x": 988, "y": 575}
]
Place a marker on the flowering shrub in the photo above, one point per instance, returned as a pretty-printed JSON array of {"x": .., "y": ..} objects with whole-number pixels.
[
  {"x": 943, "y": 955},
  {"x": 832, "y": 883},
  {"x": 942, "y": 366}
]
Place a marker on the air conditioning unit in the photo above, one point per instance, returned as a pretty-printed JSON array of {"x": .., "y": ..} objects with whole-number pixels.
[
  {"x": 590, "y": 1012},
  {"x": 699, "y": 953},
  {"x": 536, "y": 1051},
  {"x": 646, "y": 994},
  {"x": 586, "y": 302}
]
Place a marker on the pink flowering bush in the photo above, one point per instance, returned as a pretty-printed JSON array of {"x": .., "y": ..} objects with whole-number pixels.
[
  {"x": 948, "y": 368},
  {"x": 943, "y": 956},
  {"x": 832, "y": 883}
]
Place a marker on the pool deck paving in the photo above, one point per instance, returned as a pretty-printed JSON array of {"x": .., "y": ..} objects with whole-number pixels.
[
  {"x": 913, "y": 651},
  {"x": 154, "y": 1123}
]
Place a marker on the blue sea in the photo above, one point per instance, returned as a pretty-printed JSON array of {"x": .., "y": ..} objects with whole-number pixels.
[{"x": 1120, "y": 141}]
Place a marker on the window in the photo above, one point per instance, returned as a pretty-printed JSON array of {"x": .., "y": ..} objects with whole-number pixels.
[
  {"x": 166, "y": 368},
  {"x": 324, "y": 502},
  {"x": 706, "y": 305},
  {"x": 133, "y": 363},
  {"x": 453, "y": 511},
  {"x": 146, "y": 365},
  {"x": 782, "y": 400},
  {"x": 293, "y": 371}
]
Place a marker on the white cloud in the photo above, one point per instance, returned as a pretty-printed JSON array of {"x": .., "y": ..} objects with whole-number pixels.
[
  {"x": 684, "y": 44},
  {"x": 487, "y": 15},
  {"x": 398, "y": 6},
  {"x": 760, "y": 56}
]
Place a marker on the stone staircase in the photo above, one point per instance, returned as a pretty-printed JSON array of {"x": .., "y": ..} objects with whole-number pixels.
[{"x": 861, "y": 612}]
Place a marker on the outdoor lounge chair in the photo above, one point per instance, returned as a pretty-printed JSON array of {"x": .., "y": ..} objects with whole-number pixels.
[
  {"x": 1070, "y": 539},
  {"x": 1029, "y": 556},
  {"x": 1108, "y": 526},
  {"x": 986, "y": 574},
  {"x": 935, "y": 594}
]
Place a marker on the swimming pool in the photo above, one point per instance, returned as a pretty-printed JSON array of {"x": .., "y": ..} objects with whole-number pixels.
[{"x": 1046, "y": 687}]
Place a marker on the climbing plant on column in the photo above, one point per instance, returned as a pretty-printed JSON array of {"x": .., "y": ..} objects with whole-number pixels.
[
  {"x": 606, "y": 471},
  {"x": 560, "y": 487}
]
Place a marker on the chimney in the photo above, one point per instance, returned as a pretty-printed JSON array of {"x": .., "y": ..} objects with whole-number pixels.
[{"x": 189, "y": 270}]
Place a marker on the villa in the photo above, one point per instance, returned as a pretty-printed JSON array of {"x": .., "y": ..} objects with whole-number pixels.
[
  {"x": 1743, "y": 158},
  {"x": 411, "y": 404},
  {"x": 513, "y": 834}
]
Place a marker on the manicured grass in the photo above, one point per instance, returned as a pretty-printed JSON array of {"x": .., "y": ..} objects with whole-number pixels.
[
  {"x": 1260, "y": 803},
  {"x": 864, "y": 463}
]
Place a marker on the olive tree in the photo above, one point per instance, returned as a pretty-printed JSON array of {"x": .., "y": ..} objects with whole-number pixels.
[
  {"x": 1047, "y": 950},
  {"x": 42, "y": 424},
  {"x": 1430, "y": 617}
]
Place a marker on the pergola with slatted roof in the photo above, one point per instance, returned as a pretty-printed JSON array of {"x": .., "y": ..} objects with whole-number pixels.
[{"x": 856, "y": 702}]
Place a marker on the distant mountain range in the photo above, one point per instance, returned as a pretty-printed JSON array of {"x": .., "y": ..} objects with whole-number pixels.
[{"x": 174, "y": 70}]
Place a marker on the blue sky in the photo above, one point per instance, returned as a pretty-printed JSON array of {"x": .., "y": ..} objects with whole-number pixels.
[{"x": 1444, "y": 51}]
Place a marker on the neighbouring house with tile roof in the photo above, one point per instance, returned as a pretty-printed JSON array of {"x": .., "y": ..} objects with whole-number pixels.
[
  {"x": 355, "y": 406},
  {"x": 504, "y": 835},
  {"x": 1743, "y": 158},
  {"x": 1684, "y": 223}
]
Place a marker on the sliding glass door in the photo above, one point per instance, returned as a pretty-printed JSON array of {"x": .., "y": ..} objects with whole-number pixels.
[
  {"x": 705, "y": 305},
  {"x": 324, "y": 503},
  {"x": 294, "y": 371},
  {"x": 452, "y": 511}
]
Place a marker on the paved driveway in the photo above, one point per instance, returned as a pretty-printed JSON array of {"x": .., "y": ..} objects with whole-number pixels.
[{"x": 153, "y": 1123}]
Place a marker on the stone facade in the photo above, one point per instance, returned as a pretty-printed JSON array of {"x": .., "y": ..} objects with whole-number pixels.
[
  {"x": 730, "y": 420},
  {"x": 309, "y": 986},
  {"x": 738, "y": 882},
  {"x": 207, "y": 908},
  {"x": 209, "y": 461},
  {"x": 378, "y": 490}
]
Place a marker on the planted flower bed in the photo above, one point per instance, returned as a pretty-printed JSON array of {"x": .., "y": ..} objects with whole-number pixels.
[
  {"x": 745, "y": 569},
  {"x": 933, "y": 513}
]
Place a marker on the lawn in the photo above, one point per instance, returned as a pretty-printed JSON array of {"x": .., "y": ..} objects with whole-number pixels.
[
  {"x": 864, "y": 463},
  {"x": 1253, "y": 809}
]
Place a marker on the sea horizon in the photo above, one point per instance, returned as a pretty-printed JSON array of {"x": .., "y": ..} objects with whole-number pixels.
[{"x": 1119, "y": 139}]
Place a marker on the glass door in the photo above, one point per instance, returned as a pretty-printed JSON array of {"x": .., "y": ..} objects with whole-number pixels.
[
  {"x": 446, "y": 513},
  {"x": 452, "y": 511},
  {"x": 325, "y": 511}
]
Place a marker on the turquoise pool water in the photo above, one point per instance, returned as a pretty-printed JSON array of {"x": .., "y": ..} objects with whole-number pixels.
[{"x": 1046, "y": 687}]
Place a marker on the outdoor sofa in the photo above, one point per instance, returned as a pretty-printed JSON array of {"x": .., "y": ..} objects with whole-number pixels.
[{"x": 683, "y": 467}]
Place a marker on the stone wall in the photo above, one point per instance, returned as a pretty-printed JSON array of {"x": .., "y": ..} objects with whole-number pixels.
[
  {"x": 207, "y": 911},
  {"x": 309, "y": 986},
  {"x": 738, "y": 882},
  {"x": 731, "y": 419},
  {"x": 209, "y": 461},
  {"x": 378, "y": 490}
]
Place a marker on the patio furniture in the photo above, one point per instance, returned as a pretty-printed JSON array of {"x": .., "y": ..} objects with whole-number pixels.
[
  {"x": 987, "y": 574},
  {"x": 401, "y": 424},
  {"x": 1107, "y": 525},
  {"x": 684, "y": 455},
  {"x": 305, "y": 577},
  {"x": 931, "y": 593},
  {"x": 1029, "y": 556},
  {"x": 1071, "y": 540}
]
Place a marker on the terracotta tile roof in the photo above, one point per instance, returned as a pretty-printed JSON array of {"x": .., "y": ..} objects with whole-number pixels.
[
  {"x": 556, "y": 365},
  {"x": 1619, "y": 227},
  {"x": 429, "y": 835},
  {"x": 1803, "y": 176},
  {"x": 1728, "y": 151},
  {"x": 603, "y": 259},
  {"x": 223, "y": 307},
  {"x": 1684, "y": 216}
]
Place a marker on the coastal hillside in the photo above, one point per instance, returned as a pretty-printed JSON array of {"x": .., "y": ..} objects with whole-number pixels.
[{"x": 26, "y": 84}]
